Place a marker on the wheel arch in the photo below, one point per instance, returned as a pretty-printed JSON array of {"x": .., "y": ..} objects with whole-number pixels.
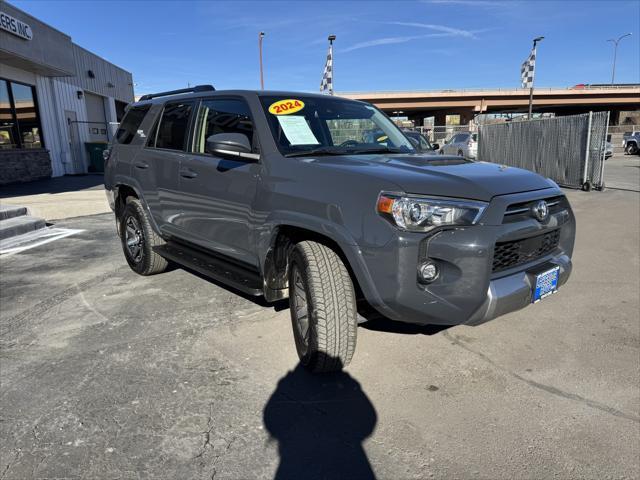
[{"x": 276, "y": 263}]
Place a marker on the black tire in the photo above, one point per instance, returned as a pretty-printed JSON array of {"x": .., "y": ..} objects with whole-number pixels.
[
  {"x": 631, "y": 149},
  {"x": 321, "y": 288},
  {"x": 138, "y": 239},
  {"x": 586, "y": 186}
]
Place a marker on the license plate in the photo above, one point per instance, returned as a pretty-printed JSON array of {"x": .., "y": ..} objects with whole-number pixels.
[{"x": 546, "y": 284}]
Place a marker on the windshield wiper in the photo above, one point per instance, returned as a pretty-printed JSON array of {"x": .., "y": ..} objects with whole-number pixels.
[
  {"x": 317, "y": 151},
  {"x": 378, "y": 150}
]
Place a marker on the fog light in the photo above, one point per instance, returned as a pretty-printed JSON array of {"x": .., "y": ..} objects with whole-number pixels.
[{"x": 428, "y": 271}]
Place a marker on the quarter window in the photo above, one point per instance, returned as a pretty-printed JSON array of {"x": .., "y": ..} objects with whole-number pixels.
[
  {"x": 174, "y": 125},
  {"x": 222, "y": 116},
  {"x": 19, "y": 118},
  {"x": 130, "y": 124}
]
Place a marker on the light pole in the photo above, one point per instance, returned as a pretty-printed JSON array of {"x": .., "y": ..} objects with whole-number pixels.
[
  {"x": 535, "y": 42},
  {"x": 260, "y": 37},
  {"x": 396, "y": 115},
  {"x": 615, "y": 54},
  {"x": 331, "y": 38}
]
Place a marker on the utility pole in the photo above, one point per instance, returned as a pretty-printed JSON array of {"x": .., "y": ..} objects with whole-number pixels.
[
  {"x": 260, "y": 37},
  {"x": 535, "y": 42},
  {"x": 615, "y": 42}
]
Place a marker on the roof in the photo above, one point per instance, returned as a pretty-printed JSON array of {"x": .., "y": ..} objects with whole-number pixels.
[{"x": 213, "y": 93}]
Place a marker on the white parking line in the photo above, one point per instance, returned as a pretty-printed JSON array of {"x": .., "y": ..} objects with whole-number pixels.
[{"x": 11, "y": 246}]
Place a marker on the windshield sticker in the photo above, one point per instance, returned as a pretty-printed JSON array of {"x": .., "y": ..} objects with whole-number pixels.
[
  {"x": 297, "y": 130},
  {"x": 286, "y": 107}
]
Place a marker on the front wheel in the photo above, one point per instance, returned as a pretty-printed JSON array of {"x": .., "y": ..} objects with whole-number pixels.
[
  {"x": 323, "y": 308},
  {"x": 631, "y": 149}
]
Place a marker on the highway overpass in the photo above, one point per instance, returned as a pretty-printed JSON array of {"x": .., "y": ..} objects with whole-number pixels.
[{"x": 467, "y": 103}]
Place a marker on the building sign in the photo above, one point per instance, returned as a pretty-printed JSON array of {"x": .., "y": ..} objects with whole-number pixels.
[{"x": 15, "y": 26}]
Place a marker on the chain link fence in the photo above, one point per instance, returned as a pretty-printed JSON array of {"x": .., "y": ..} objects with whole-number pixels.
[{"x": 569, "y": 150}]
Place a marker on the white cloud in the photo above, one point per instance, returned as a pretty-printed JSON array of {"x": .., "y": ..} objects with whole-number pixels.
[
  {"x": 453, "y": 32},
  {"x": 391, "y": 40}
]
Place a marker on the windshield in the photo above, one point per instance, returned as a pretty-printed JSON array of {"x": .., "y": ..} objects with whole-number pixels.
[{"x": 304, "y": 125}]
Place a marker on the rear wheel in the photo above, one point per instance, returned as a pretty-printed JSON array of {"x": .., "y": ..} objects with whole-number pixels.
[
  {"x": 323, "y": 308},
  {"x": 631, "y": 149},
  {"x": 138, "y": 239}
]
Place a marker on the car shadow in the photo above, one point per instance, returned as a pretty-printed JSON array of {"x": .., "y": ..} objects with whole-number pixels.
[
  {"x": 320, "y": 422},
  {"x": 370, "y": 319},
  {"x": 278, "y": 305}
]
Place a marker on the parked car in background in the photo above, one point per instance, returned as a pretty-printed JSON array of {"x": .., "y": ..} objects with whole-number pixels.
[
  {"x": 463, "y": 144},
  {"x": 608, "y": 150},
  {"x": 421, "y": 142},
  {"x": 631, "y": 142}
]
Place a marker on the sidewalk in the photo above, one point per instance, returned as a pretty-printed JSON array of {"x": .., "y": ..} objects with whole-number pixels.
[{"x": 60, "y": 197}]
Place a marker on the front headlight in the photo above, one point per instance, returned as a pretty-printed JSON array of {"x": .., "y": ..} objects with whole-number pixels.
[{"x": 421, "y": 214}]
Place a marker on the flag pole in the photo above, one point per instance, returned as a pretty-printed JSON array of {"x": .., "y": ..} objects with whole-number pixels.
[
  {"x": 535, "y": 41},
  {"x": 260, "y": 37},
  {"x": 331, "y": 38}
]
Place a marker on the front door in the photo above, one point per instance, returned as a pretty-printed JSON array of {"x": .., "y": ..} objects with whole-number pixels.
[
  {"x": 217, "y": 193},
  {"x": 75, "y": 150}
]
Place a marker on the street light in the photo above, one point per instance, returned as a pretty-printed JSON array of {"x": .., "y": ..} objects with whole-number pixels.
[
  {"x": 260, "y": 37},
  {"x": 396, "y": 114},
  {"x": 615, "y": 54}
]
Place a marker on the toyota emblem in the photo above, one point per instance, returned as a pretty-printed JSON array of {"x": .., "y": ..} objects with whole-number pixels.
[{"x": 540, "y": 210}]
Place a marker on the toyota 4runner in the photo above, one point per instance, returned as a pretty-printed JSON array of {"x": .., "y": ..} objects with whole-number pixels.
[{"x": 285, "y": 194}]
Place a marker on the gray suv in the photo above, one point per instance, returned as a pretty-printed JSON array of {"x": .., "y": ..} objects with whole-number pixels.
[{"x": 286, "y": 195}]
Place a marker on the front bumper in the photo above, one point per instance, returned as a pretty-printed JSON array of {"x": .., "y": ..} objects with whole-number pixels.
[{"x": 467, "y": 291}]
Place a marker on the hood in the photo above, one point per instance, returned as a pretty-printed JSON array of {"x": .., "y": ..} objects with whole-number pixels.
[{"x": 440, "y": 175}]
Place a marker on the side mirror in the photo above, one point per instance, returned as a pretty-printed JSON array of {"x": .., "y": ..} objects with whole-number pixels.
[
  {"x": 435, "y": 146},
  {"x": 232, "y": 145}
]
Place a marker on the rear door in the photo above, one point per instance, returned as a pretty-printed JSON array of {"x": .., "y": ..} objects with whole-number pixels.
[
  {"x": 156, "y": 167},
  {"x": 217, "y": 193}
]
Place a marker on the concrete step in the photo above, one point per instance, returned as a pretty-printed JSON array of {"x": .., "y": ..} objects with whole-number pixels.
[
  {"x": 11, "y": 211},
  {"x": 12, "y": 227}
]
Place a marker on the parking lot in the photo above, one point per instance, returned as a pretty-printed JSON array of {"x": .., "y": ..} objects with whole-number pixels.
[{"x": 108, "y": 374}]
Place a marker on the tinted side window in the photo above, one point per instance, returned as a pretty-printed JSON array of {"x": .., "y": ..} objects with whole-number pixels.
[
  {"x": 174, "y": 126},
  {"x": 222, "y": 116},
  {"x": 130, "y": 124}
]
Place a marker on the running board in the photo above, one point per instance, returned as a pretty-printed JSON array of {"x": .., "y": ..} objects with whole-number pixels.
[{"x": 216, "y": 268}]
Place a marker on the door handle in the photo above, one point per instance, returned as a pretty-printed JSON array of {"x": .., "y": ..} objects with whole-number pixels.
[
  {"x": 188, "y": 173},
  {"x": 141, "y": 165}
]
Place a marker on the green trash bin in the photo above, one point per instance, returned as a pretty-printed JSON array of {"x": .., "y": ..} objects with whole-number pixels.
[{"x": 96, "y": 161}]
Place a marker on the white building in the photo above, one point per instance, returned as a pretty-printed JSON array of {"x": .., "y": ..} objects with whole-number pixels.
[{"x": 55, "y": 97}]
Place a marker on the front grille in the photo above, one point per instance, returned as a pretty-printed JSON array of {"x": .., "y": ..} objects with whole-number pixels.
[
  {"x": 521, "y": 211},
  {"x": 517, "y": 252}
]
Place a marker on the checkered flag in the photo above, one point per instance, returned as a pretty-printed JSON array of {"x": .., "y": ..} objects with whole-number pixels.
[
  {"x": 326, "y": 85},
  {"x": 528, "y": 70}
]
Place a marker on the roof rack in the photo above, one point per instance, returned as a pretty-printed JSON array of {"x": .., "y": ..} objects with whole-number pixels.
[{"x": 197, "y": 88}]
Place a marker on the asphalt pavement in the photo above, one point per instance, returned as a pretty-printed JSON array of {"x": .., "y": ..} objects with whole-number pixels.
[
  {"x": 622, "y": 172},
  {"x": 106, "y": 374}
]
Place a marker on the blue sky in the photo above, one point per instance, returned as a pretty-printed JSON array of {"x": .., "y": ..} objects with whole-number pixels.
[{"x": 381, "y": 45}]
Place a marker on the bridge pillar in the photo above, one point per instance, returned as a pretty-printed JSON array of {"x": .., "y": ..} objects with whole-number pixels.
[{"x": 440, "y": 118}]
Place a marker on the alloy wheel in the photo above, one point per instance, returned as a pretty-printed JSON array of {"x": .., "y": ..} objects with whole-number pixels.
[{"x": 134, "y": 238}]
